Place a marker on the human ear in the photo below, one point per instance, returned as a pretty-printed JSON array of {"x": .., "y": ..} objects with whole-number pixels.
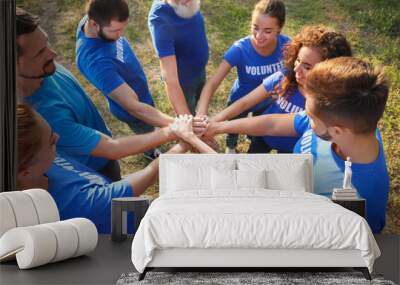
[
  {"x": 337, "y": 131},
  {"x": 93, "y": 24}
]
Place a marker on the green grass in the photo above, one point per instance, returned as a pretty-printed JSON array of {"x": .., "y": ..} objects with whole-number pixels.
[{"x": 372, "y": 27}]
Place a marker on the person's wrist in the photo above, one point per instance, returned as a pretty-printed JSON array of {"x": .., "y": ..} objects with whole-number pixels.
[
  {"x": 201, "y": 112},
  {"x": 216, "y": 118},
  {"x": 184, "y": 146},
  {"x": 169, "y": 133},
  {"x": 189, "y": 136},
  {"x": 213, "y": 128}
]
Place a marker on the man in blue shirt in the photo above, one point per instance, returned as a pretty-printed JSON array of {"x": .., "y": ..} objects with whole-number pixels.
[
  {"x": 345, "y": 99},
  {"x": 57, "y": 95},
  {"x": 106, "y": 59},
  {"x": 179, "y": 38}
]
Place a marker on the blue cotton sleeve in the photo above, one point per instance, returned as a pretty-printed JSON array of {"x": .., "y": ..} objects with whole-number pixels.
[
  {"x": 301, "y": 123},
  {"x": 161, "y": 35},
  {"x": 233, "y": 55},
  {"x": 273, "y": 81},
  {"x": 103, "y": 74},
  {"x": 373, "y": 184},
  {"x": 377, "y": 191},
  {"x": 75, "y": 138}
]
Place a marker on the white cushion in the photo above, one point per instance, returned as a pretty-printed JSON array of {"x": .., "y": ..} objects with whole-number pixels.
[
  {"x": 223, "y": 179},
  {"x": 7, "y": 218},
  {"x": 67, "y": 240},
  {"x": 23, "y": 208},
  {"x": 40, "y": 244},
  {"x": 281, "y": 174},
  {"x": 45, "y": 205},
  {"x": 293, "y": 180},
  {"x": 87, "y": 235},
  {"x": 189, "y": 176},
  {"x": 183, "y": 177},
  {"x": 34, "y": 244},
  {"x": 251, "y": 178},
  {"x": 26, "y": 208}
]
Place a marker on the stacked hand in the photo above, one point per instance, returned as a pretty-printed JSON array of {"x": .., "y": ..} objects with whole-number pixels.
[
  {"x": 183, "y": 126},
  {"x": 191, "y": 130},
  {"x": 200, "y": 124}
]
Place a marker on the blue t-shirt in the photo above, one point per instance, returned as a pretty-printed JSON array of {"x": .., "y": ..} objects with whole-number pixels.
[
  {"x": 107, "y": 65},
  {"x": 371, "y": 180},
  {"x": 71, "y": 114},
  {"x": 184, "y": 38},
  {"x": 81, "y": 192},
  {"x": 292, "y": 103},
  {"x": 253, "y": 67}
]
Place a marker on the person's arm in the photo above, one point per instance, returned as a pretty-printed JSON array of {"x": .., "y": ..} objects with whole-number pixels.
[
  {"x": 265, "y": 125},
  {"x": 126, "y": 97},
  {"x": 211, "y": 86},
  {"x": 198, "y": 144},
  {"x": 245, "y": 103},
  {"x": 97, "y": 198},
  {"x": 103, "y": 74},
  {"x": 169, "y": 72},
  {"x": 146, "y": 177},
  {"x": 114, "y": 149}
]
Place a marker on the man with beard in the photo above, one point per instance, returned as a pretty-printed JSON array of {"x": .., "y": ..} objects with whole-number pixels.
[
  {"x": 106, "y": 59},
  {"x": 179, "y": 38},
  {"x": 57, "y": 95}
]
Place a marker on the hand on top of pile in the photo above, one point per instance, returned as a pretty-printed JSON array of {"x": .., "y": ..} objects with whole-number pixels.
[
  {"x": 182, "y": 126},
  {"x": 204, "y": 126},
  {"x": 201, "y": 126}
]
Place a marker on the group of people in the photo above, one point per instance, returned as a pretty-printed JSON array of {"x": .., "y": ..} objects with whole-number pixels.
[{"x": 302, "y": 95}]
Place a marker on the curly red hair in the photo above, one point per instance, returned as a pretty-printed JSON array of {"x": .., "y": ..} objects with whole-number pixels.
[{"x": 325, "y": 40}]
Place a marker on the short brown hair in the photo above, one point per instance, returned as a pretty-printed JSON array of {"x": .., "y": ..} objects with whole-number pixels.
[
  {"x": 104, "y": 11},
  {"x": 349, "y": 91},
  {"x": 272, "y": 8},
  {"x": 327, "y": 41},
  {"x": 29, "y": 138},
  {"x": 26, "y": 23}
]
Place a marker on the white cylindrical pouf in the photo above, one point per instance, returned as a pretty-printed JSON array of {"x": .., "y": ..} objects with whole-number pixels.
[
  {"x": 34, "y": 246},
  {"x": 87, "y": 234},
  {"x": 23, "y": 207},
  {"x": 67, "y": 239},
  {"x": 45, "y": 205},
  {"x": 7, "y": 217}
]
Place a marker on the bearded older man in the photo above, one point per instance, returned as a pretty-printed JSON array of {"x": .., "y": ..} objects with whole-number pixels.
[{"x": 179, "y": 37}]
